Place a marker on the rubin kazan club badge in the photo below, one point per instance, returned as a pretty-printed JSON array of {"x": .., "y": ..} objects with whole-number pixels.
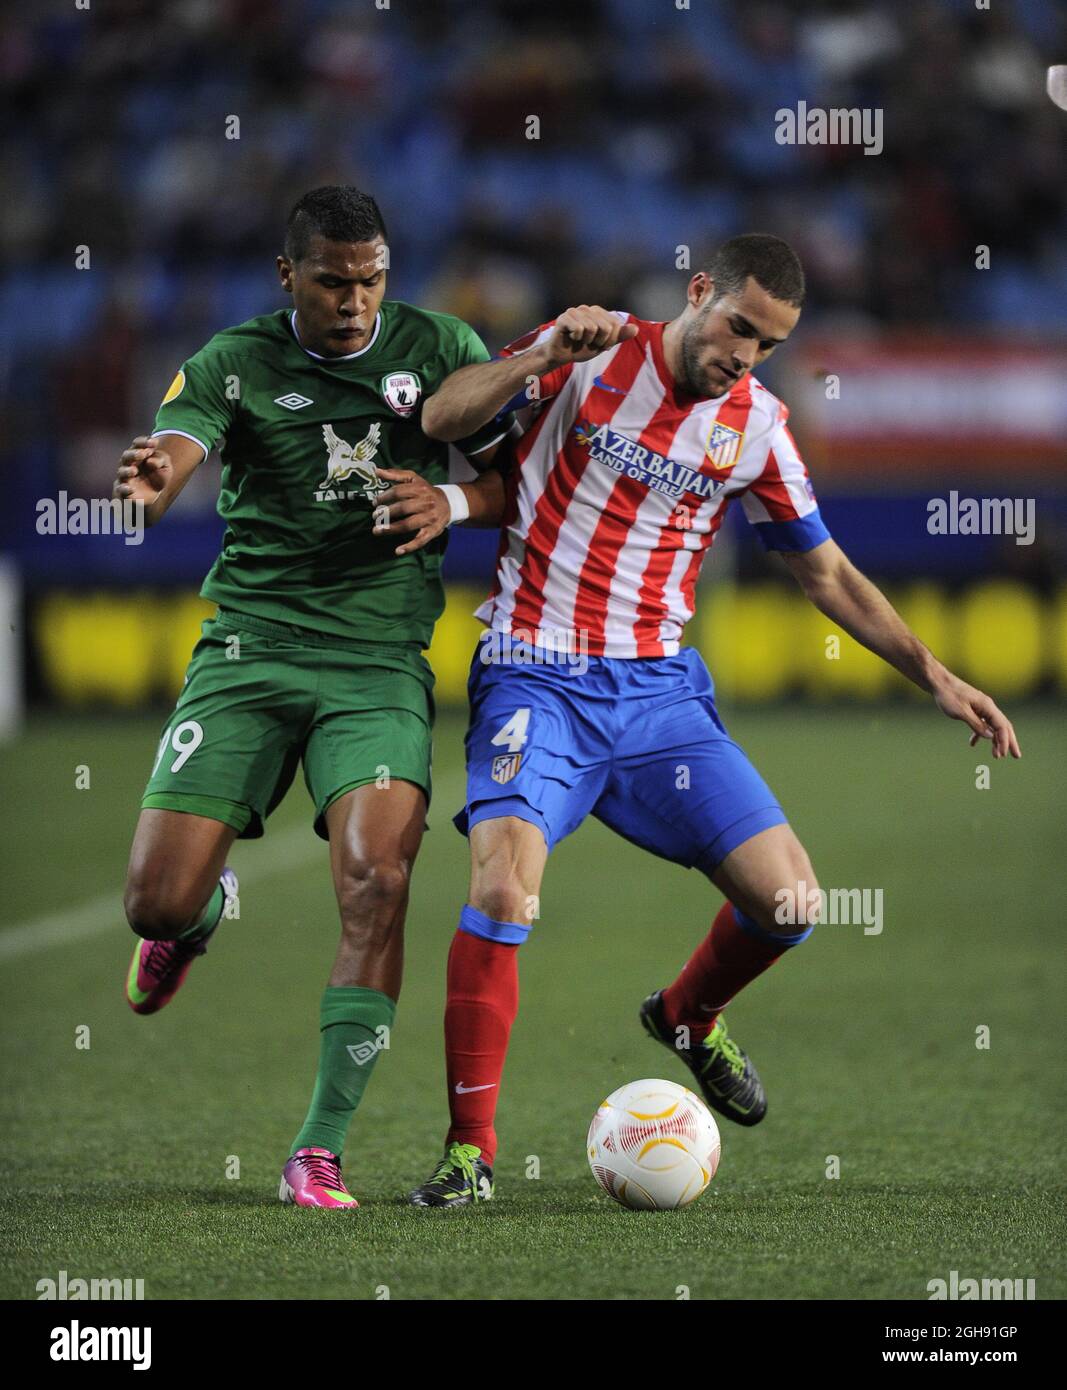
[{"x": 400, "y": 391}]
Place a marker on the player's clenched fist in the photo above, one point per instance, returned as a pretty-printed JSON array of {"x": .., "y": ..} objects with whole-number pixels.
[
  {"x": 582, "y": 333},
  {"x": 144, "y": 470}
]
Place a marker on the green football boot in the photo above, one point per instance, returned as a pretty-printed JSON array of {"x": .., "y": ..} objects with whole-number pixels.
[
  {"x": 727, "y": 1079},
  {"x": 461, "y": 1179}
]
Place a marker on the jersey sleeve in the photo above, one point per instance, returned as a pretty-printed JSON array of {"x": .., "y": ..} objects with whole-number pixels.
[
  {"x": 198, "y": 404},
  {"x": 467, "y": 350},
  {"x": 550, "y": 384},
  {"x": 545, "y": 386},
  {"x": 781, "y": 503}
]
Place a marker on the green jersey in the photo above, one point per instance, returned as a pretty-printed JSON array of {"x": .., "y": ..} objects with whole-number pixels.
[{"x": 303, "y": 437}]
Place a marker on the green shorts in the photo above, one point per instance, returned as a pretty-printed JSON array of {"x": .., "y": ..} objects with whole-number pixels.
[{"x": 261, "y": 697}]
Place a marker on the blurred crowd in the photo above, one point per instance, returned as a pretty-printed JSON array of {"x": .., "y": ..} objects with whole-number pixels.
[{"x": 655, "y": 128}]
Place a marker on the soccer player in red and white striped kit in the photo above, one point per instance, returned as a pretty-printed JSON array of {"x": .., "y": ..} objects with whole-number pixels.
[{"x": 583, "y": 701}]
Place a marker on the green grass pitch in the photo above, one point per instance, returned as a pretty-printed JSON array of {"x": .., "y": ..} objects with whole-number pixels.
[{"x": 951, "y": 1156}]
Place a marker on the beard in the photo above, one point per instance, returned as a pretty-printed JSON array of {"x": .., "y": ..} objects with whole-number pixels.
[{"x": 695, "y": 378}]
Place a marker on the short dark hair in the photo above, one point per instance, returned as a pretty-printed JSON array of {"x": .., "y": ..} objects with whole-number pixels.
[
  {"x": 770, "y": 261},
  {"x": 337, "y": 212}
]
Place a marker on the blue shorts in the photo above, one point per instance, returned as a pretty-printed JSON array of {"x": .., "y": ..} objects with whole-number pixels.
[{"x": 637, "y": 743}]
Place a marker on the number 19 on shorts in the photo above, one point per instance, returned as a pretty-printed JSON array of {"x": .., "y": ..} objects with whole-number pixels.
[{"x": 183, "y": 741}]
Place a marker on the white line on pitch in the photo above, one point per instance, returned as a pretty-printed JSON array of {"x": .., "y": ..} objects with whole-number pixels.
[
  {"x": 285, "y": 850},
  {"x": 289, "y": 849}
]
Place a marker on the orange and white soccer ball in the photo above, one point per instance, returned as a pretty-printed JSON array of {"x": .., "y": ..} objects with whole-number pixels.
[{"x": 653, "y": 1145}]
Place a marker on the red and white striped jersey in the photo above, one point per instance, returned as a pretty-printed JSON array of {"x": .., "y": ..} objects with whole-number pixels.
[{"x": 620, "y": 484}]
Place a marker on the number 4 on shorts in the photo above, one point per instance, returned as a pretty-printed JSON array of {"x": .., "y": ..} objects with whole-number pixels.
[
  {"x": 513, "y": 734},
  {"x": 185, "y": 739}
]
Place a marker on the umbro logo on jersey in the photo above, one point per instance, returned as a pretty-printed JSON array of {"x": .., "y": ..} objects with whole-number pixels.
[{"x": 293, "y": 401}]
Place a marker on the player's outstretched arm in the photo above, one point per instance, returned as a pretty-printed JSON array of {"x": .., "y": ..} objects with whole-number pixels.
[
  {"x": 154, "y": 469},
  {"x": 474, "y": 395},
  {"x": 837, "y": 588}
]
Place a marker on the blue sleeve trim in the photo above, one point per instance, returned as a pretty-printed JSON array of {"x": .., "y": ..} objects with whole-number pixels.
[
  {"x": 478, "y": 924},
  {"x": 772, "y": 938},
  {"x": 804, "y": 533},
  {"x": 516, "y": 403}
]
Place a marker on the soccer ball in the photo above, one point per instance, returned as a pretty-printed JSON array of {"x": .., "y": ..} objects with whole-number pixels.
[{"x": 653, "y": 1146}]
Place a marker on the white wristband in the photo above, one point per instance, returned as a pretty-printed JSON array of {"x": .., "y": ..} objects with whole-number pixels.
[{"x": 458, "y": 505}]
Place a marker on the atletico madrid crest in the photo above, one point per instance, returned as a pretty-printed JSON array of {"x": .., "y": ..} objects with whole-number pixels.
[
  {"x": 723, "y": 446},
  {"x": 505, "y": 766}
]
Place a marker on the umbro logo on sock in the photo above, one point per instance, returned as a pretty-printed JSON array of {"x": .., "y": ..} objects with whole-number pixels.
[{"x": 462, "y": 1090}]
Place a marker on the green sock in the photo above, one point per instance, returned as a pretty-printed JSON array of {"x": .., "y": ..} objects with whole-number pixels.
[
  {"x": 208, "y": 919},
  {"x": 350, "y": 1017}
]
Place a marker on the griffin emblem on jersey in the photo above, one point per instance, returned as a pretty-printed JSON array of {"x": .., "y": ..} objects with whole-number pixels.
[
  {"x": 400, "y": 391},
  {"x": 348, "y": 460},
  {"x": 723, "y": 446}
]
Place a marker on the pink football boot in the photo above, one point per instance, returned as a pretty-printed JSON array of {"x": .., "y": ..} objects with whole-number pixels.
[
  {"x": 312, "y": 1178},
  {"x": 158, "y": 968}
]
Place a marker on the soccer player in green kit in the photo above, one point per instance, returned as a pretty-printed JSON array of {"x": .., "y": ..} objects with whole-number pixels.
[{"x": 315, "y": 654}]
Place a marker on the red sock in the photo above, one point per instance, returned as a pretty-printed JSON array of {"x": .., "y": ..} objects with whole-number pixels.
[
  {"x": 725, "y": 961},
  {"x": 483, "y": 999}
]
